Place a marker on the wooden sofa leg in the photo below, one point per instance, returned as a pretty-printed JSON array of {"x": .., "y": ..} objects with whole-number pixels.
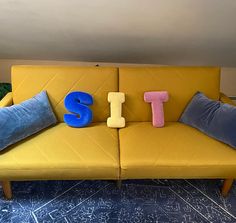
[
  {"x": 227, "y": 186},
  {"x": 119, "y": 182},
  {"x": 6, "y": 187}
]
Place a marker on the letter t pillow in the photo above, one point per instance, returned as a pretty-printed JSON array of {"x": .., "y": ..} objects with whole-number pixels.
[{"x": 156, "y": 98}]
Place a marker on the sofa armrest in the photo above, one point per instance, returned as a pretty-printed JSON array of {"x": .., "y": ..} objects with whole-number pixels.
[
  {"x": 225, "y": 99},
  {"x": 7, "y": 100}
]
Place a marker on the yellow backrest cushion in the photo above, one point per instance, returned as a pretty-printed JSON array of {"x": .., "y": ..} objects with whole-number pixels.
[
  {"x": 180, "y": 82},
  {"x": 58, "y": 81}
]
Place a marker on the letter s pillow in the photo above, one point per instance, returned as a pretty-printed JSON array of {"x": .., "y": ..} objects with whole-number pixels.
[
  {"x": 213, "y": 118},
  {"x": 20, "y": 121}
]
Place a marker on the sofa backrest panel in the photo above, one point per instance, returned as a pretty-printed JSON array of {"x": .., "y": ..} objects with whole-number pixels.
[
  {"x": 180, "y": 82},
  {"x": 58, "y": 81}
]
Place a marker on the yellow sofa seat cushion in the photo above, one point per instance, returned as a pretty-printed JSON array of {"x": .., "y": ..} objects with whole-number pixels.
[
  {"x": 174, "y": 151},
  {"x": 58, "y": 81},
  {"x": 180, "y": 82},
  {"x": 62, "y": 152}
]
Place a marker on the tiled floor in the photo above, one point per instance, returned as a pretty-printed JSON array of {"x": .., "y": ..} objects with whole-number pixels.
[{"x": 101, "y": 201}]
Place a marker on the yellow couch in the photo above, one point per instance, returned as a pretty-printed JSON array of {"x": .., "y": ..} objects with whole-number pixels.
[{"x": 138, "y": 151}]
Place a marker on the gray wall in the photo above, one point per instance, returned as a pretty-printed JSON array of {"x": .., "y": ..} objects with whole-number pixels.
[
  {"x": 180, "y": 32},
  {"x": 170, "y": 32}
]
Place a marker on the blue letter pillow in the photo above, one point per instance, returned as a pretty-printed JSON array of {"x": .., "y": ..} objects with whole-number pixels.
[
  {"x": 76, "y": 102},
  {"x": 20, "y": 121},
  {"x": 213, "y": 118}
]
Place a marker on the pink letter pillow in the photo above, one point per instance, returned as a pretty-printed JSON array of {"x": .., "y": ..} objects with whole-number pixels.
[{"x": 156, "y": 98}]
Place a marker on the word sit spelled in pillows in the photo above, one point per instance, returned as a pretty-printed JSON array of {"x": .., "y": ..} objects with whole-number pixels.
[{"x": 78, "y": 104}]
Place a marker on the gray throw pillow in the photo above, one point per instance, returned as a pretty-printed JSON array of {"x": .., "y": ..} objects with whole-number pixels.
[
  {"x": 20, "y": 121},
  {"x": 214, "y": 118}
]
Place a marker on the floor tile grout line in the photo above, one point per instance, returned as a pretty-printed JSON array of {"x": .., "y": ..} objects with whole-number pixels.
[
  {"x": 58, "y": 196},
  {"x": 186, "y": 202},
  {"x": 155, "y": 181},
  {"x": 91, "y": 196},
  {"x": 189, "y": 205},
  {"x": 145, "y": 185},
  {"x": 207, "y": 197},
  {"x": 34, "y": 217},
  {"x": 210, "y": 199}
]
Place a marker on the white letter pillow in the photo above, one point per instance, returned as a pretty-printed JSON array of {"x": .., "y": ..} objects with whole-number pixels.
[{"x": 116, "y": 99}]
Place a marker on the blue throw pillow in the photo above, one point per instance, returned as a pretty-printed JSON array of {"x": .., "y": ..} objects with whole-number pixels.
[
  {"x": 20, "y": 121},
  {"x": 213, "y": 118}
]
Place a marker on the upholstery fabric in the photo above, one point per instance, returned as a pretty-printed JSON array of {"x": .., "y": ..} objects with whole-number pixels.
[
  {"x": 180, "y": 82},
  {"x": 225, "y": 99},
  {"x": 174, "y": 151},
  {"x": 20, "y": 121},
  {"x": 214, "y": 118},
  {"x": 58, "y": 81},
  {"x": 6, "y": 101},
  {"x": 62, "y": 152}
]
